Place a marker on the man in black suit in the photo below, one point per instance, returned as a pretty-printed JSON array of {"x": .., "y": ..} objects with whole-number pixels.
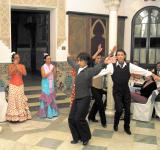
[{"x": 79, "y": 110}]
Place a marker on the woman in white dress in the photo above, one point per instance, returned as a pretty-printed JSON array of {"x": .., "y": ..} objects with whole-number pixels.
[{"x": 3, "y": 106}]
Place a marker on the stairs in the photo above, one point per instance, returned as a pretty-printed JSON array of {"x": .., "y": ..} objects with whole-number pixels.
[{"x": 33, "y": 90}]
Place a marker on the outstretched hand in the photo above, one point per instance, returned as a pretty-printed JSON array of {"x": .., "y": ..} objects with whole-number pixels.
[
  {"x": 99, "y": 48},
  {"x": 110, "y": 59},
  {"x": 112, "y": 51}
]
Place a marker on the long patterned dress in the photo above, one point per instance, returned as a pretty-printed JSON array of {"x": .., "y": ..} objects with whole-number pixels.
[
  {"x": 73, "y": 73},
  {"x": 48, "y": 107},
  {"x": 18, "y": 108}
]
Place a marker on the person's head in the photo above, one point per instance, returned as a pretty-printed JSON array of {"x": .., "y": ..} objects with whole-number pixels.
[
  {"x": 15, "y": 57},
  {"x": 158, "y": 65},
  {"x": 47, "y": 59},
  {"x": 98, "y": 58},
  {"x": 136, "y": 63},
  {"x": 83, "y": 59},
  {"x": 121, "y": 55}
]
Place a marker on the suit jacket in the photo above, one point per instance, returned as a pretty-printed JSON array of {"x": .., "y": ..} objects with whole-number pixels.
[{"x": 83, "y": 80}]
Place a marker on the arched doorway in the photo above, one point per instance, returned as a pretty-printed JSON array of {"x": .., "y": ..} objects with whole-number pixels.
[{"x": 146, "y": 37}]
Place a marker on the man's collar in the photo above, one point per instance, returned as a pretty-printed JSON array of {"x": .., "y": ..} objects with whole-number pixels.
[
  {"x": 83, "y": 67},
  {"x": 124, "y": 64}
]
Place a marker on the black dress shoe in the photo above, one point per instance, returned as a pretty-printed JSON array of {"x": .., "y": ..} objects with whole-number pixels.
[
  {"x": 85, "y": 142},
  {"x": 115, "y": 128},
  {"x": 128, "y": 131},
  {"x": 74, "y": 142}
]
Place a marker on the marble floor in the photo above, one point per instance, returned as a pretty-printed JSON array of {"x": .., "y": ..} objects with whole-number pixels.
[{"x": 46, "y": 134}]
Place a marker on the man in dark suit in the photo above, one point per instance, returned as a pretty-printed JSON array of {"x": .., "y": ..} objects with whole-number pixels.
[{"x": 79, "y": 110}]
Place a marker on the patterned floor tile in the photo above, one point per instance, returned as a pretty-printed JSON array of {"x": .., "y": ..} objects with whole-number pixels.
[
  {"x": 49, "y": 143},
  {"x": 102, "y": 133},
  {"x": 145, "y": 125},
  {"x": 145, "y": 131},
  {"x": 62, "y": 127},
  {"x": 44, "y": 134},
  {"x": 92, "y": 147},
  {"x": 28, "y": 125},
  {"x": 145, "y": 139},
  {"x": 143, "y": 146}
]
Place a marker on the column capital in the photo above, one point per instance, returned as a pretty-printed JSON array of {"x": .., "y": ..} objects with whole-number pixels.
[{"x": 112, "y": 5}]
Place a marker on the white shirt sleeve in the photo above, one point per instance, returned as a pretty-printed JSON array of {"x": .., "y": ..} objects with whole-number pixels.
[
  {"x": 138, "y": 70},
  {"x": 108, "y": 70}
]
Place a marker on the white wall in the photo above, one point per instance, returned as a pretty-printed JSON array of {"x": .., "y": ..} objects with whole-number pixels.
[
  {"x": 127, "y": 8},
  {"x": 90, "y": 6},
  {"x": 5, "y": 53}
]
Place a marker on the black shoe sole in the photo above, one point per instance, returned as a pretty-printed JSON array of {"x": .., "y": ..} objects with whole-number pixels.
[{"x": 74, "y": 142}]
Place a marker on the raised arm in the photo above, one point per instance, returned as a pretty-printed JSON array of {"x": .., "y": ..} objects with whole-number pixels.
[
  {"x": 97, "y": 52},
  {"x": 95, "y": 70},
  {"x": 105, "y": 71},
  {"x": 23, "y": 71},
  {"x": 138, "y": 70},
  {"x": 103, "y": 68}
]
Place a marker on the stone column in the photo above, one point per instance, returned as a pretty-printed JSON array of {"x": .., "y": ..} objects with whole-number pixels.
[{"x": 112, "y": 5}]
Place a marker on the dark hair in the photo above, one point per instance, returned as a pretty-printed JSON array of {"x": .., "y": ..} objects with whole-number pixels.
[
  {"x": 13, "y": 55},
  {"x": 86, "y": 57},
  {"x": 120, "y": 50},
  {"x": 157, "y": 63},
  {"x": 45, "y": 57}
]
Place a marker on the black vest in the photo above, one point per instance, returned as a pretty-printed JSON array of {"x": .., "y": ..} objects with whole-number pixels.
[{"x": 120, "y": 77}]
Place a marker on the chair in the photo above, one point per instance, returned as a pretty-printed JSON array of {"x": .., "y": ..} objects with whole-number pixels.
[
  {"x": 143, "y": 112},
  {"x": 157, "y": 104}
]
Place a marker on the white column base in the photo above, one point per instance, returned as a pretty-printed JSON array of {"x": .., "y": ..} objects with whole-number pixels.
[{"x": 110, "y": 112}]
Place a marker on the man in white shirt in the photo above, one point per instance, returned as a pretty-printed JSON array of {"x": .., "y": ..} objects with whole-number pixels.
[{"x": 120, "y": 71}]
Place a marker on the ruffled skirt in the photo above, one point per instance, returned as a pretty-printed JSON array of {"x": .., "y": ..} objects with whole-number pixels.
[
  {"x": 48, "y": 107},
  {"x": 18, "y": 108}
]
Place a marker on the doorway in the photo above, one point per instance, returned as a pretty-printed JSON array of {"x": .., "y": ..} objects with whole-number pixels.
[{"x": 30, "y": 32}]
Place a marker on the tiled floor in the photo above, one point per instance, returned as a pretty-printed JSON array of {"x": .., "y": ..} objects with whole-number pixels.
[{"x": 45, "y": 134}]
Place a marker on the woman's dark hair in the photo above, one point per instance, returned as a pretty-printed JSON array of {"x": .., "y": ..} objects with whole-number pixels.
[
  {"x": 86, "y": 57},
  {"x": 44, "y": 58},
  {"x": 13, "y": 55}
]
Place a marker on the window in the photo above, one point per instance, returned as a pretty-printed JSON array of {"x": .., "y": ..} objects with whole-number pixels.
[{"x": 146, "y": 37}]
